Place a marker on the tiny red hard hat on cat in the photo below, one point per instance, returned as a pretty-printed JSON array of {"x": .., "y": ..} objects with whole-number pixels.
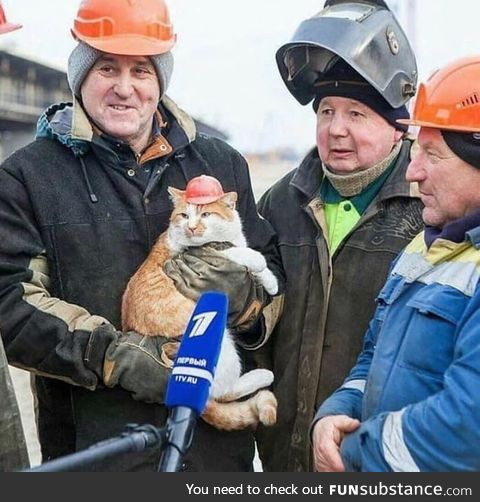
[{"x": 203, "y": 190}]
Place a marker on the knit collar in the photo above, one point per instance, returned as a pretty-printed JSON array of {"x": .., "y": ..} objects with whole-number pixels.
[
  {"x": 361, "y": 201},
  {"x": 350, "y": 185},
  {"x": 308, "y": 177}
]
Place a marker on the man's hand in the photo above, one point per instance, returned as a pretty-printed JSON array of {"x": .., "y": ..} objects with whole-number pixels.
[
  {"x": 328, "y": 434},
  {"x": 139, "y": 364},
  {"x": 206, "y": 268}
]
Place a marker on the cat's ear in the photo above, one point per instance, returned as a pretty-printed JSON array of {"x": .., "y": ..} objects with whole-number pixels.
[
  {"x": 176, "y": 195},
  {"x": 230, "y": 199}
]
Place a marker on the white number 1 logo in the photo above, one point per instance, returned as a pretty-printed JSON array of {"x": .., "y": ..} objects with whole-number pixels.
[{"x": 202, "y": 322}]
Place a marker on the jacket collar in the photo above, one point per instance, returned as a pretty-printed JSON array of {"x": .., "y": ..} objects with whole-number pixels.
[
  {"x": 308, "y": 177},
  {"x": 474, "y": 236},
  {"x": 68, "y": 124},
  {"x": 467, "y": 227}
]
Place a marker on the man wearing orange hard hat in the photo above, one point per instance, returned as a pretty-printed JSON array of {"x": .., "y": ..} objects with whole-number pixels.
[
  {"x": 13, "y": 449},
  {"x": 415, "y": 404},
  {"x": 82, "y": 206}
]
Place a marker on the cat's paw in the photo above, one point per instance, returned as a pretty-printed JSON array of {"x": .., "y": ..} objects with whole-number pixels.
[
  {"x": 258, "y": 264},
  {"x": 263, "y": 377},
  {"x": 269, "y": 281},
  {"x": 247, "y": 257},
  {"x": 266, "y": 407}
]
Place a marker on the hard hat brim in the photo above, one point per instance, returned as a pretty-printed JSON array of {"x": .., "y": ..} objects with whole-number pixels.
[
  {"x": 204, "y": 199},
  {"x": 8, "y": 27},
  {"x": 433, "y": 125},
  {"x": 128, "y": 45}
]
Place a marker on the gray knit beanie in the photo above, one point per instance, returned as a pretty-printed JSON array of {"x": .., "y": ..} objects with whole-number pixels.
[{"x": 83, "y": 57}]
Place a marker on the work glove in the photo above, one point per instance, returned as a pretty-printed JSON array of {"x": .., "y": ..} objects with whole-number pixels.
[
  {"x": 139, "y": 364},
  {"x": 205, "y": 268}
]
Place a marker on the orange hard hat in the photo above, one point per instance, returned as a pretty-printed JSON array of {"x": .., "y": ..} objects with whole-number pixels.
[
  {"x": 5, "y": 26},
  {"x": 203, "y": 190},
  {"x": 125, "y": 27},
  {"x": 450, "y": 98}
]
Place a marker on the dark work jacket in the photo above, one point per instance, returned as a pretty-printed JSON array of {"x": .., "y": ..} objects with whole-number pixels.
[
  {"x": 13, "y": 448},
  {"x": 329, "y": 300},
  {"x": 65, "y": 261}
]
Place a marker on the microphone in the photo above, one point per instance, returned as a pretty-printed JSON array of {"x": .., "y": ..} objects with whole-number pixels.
[{"x": 192, "y": 375}]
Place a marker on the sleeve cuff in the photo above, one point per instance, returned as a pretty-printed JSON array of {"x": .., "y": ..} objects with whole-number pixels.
[
  {"x": 362, "y": 450},
  {"x": 253, "y": 338},
  {"x": 97, "y": 345}
]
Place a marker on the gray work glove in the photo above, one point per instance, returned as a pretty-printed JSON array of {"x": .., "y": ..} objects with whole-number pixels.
[
  {"x": 205, "y": 268},
  {"x": 139, "y": 364}
]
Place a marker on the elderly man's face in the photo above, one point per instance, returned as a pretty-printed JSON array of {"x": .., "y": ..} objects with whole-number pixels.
[
  {"x": 121, "y": 94},
  {"x": 351, "y": 136},
  {"x": 449, "y": 187}
]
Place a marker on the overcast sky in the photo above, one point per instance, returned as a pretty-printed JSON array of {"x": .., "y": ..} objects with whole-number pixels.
[{"x": 225, "y": 70}]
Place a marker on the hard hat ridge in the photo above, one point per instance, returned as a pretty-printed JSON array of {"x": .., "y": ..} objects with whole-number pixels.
[
  {"x": 125, "y": 27},
  {"x": 450, "y": 98},
  {"x": 450, "y": 101}
]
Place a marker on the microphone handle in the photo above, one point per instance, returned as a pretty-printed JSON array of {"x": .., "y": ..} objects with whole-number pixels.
[{"x": 180, "y": 427}]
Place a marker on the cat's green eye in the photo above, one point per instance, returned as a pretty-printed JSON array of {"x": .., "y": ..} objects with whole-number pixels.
[{"x": 205, "y": 215}]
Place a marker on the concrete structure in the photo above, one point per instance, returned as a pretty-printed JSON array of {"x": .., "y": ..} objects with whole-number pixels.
[{"x": 26, "y": 89}]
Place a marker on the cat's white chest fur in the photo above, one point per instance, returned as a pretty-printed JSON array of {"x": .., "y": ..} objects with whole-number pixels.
[
  {"x": 229, "y": 368},
  {"x": 229, "y": 384}
]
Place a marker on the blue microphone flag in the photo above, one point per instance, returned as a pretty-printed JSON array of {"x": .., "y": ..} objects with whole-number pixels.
[{"x": 197, "y": 357}]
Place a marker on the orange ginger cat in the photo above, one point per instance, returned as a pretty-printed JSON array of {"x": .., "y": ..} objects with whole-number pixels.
[{"x": 153, "y": 306}]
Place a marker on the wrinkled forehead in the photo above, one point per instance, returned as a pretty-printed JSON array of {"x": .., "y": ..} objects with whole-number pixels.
[
  {"x": 124, "y": 60},
  {"x": 430, "y": 137},
  {"x": 341, "y": 101}
]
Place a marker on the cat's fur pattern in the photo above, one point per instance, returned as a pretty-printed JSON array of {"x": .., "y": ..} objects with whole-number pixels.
[{"x": 152, "y": 306}]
